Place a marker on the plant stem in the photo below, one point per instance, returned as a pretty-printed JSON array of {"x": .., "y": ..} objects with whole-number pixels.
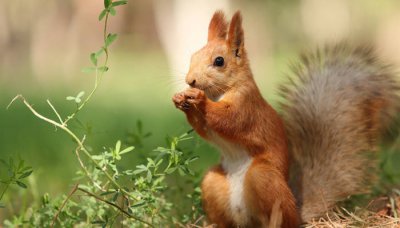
[
  {"x": 4, "y": 191},
  {"x": 98, "y": 77},
  {"x": 114, "y": 205},
  {"x": 65, "y": 202},
  {"x": 76, "y": 139}
]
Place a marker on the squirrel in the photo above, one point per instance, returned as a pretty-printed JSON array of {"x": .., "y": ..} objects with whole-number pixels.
[{"x": 336, "y": 108}]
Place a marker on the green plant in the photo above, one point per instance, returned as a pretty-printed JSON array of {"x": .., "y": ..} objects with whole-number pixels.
[
  {"x": 107, "y": 193},
  {"x": 16, "y": 173}
]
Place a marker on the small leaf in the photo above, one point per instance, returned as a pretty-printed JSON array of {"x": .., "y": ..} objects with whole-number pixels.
[
  {"x": 80, "y": 94},
  {"x": 138, "y": 171},
  {"x": 70, "y": 98},
  {"x": 22, "y": 185},
  {"x": 170, "y": 170},
  {"x": 118, "y": 146},
  {"x": 99, "y": 52},
  {"x": 88, "y": 69},
  {"x": 77, "y": 100},
  {"x": 112, "y": 11},
  {"x": 99, "y": 222},
  {"x": 110, "y": 38},
  {"x": 192, "y": 159},
  {"x": 107, "y": 3},
  {"x": 93, "y": 58},
  {"x": 102, "y": 14},
  {"x": 126, "y": 150},
  {"x": 26, "y": 174},
  {"x": 115, "y": 197},
  {"x": 97, "y": 157},
  {"x": 138, "y": 204},
  {"x": 149, "y": 176},
  {"x": 118, "y": 3},
  {"x": 103, "y": 69},
  {"x": 107, "y": 193}
]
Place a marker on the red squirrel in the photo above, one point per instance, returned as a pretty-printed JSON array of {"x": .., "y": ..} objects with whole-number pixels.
[{"x": 336, "y": 108}]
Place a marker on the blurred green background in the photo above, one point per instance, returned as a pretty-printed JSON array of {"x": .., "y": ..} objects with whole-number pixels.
[{"x": 44, "y": 45}]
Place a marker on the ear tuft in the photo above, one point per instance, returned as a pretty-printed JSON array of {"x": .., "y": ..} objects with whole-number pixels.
[
  {"x": 236, "y": 35},
  {"x": 218, "y": 26}
]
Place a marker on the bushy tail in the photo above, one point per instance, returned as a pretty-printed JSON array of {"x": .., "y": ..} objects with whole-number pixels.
[{"x": 336, "y": 108}]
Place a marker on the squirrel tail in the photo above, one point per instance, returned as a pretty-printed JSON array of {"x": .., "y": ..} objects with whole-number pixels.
[{"x": 336, "y": 108}]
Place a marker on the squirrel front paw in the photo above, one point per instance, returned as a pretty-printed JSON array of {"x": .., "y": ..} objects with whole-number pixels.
[
  {"x": 180, "y": 101},
  {"x": 189, "y": 98}
]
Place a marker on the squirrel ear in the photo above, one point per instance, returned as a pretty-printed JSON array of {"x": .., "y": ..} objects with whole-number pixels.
[
  {"x": 218, "y": 26},
  {"x": 235, "y": 35}
]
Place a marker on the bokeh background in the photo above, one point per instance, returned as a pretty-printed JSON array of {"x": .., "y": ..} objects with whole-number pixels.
[{"x": 45, "y": 44}]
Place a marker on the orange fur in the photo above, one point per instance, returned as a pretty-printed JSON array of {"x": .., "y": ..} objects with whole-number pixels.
[
  {"x": 337, "y": 107},
  {"x": 225, "y": 104},
  {"x": 217, "y": 27}
]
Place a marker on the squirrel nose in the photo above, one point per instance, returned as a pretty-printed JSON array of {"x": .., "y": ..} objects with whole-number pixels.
[{"x": 193, "y": 82}]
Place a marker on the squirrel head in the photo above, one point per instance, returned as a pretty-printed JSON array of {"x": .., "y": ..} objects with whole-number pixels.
[{"x": 222, "y": 63}]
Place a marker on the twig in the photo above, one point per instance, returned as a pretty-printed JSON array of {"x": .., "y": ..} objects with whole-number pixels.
[
  {"x": 76, "y": 186},
  {"x": 97, "y": 78},
  {"x": 55, "y": 111},
  {"x": 114, "y": 205},
  {"x": 76, "y": 139},
  {"x": 84, "y": 167}
]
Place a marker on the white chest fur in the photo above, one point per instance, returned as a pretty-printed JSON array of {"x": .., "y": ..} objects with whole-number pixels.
[{"x": 235, "y": 162}]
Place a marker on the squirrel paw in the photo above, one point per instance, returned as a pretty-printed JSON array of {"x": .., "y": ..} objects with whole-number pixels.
[
  {"x": 194, "y": 96},
  {"x": 180, "y": 101},
  {"x": 188, "y": 98}
]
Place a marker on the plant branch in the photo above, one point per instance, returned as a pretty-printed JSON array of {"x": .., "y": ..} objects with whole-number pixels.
[
  {"x": 114, "y": 205},
  {"x": 4, "y": 191},
  {"x": 98, "y": 77},
  {"x": 84, "y": 167},
  {"x": 74, "y": 189},
  {"x": 76, "y": 139},
  {"x": 55, "y": 111}
]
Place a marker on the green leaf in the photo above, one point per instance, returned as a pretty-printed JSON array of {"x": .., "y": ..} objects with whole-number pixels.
[
  {"x": 102, "y": 14},
  {"x": 80, "y": 94},
  {"x": 107, "y": 3},
  {"x": 112, "y": 11},
  {"x": 115, "y": 197},
  {"x": 118, "y": 3},
  {"x": 138, "y": 204},
  {"x": 22, "y": 185},
  {"x": 97, "y": 157},
  {"x": 110, "y": 38},
  {"x": 93, "y": 58},
  {"x": 126, "y": 150},
  {"x": 151, "y": 162},
  {"x": 107, "y": 193},
  {"x": 99, "y": 52},
  {"x": 26, "y": 174},
  {"x": 118, "y": 146},
  {"x": 138, "y": 171},
  {"x": 102, "y": 69},
  {"x": 70, "y": 98},
  {"x": 170, "y": 170},
  {"x": 2, "y": 205},
  {"x": 192, "y": 159},
  {"x": 21, "y": 164},
  {"x": 88, "y": 69}
]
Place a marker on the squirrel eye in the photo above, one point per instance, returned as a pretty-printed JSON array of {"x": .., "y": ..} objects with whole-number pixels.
[{"x": 219, "y": 61}]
